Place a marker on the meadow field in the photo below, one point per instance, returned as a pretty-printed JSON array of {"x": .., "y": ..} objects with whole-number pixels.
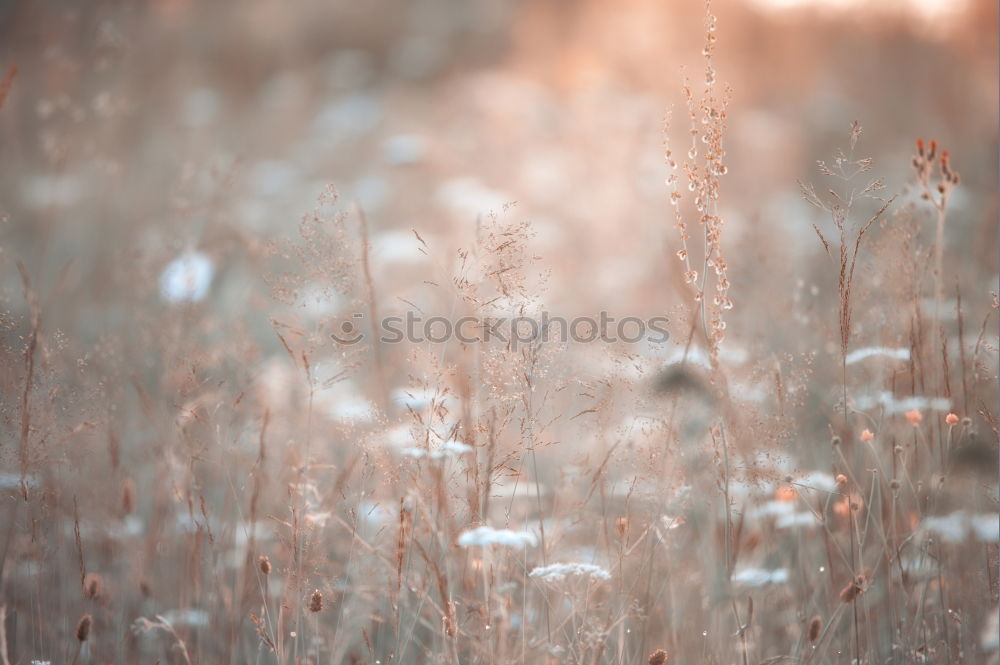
[{"x": 499, "y": 332}]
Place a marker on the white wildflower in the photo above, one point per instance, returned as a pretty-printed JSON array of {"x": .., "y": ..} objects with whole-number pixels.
[
  {"x": 484, "y": 535},
  {"x": 557, "y": 572},
  {"x": 892, "y": 406},
  {"x": 817, "y": 480},
  {"x": 956, "y": 527},
  {"x": 401, "y": 436},
  {"x": 187, "y": 278},
  {"x": 869, "y": 351},
  {"x": 986, "y": 526},
  {"x": 760, "y": 576},
  {"x": 186, "y": 617},
  {"x": 449, "y": 449},
  {"x": 420, "y": 398},
  {"x": 799, "y": 519},
  {"x": 990, "y": 637},
  {"x": 773, "y": 509},
  {"x": 353, "y": 410}
]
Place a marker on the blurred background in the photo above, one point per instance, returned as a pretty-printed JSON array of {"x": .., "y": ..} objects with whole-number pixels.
[
  {"x": 135, "y": 130},
  {"x": 167, "y": 171}
]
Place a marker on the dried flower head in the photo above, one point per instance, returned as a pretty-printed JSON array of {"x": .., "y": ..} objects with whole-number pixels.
[
  {"x": 264, "y": 564},
  {"x": 815, "y": 625},
  {"x": 93, "y": 585},
  {"x": 786, "y": 493},
  {"x": 621, "y": 526},
  {"x": 841, "y": 479},
  {"x": 128, "y": 496},
  {"x": 854, "y": 589},
  {"x": 913, "y": 416},
  {"x": 848, "y": 504},
  {"x": 866, "y": 435},
  {"x": 923, "y": 165},
  {"x": 658, "y": 657},
  {"x": 316, "y": 601},
  {"x": 951, "y": 419},
  {"x": 83, "y": 627}
]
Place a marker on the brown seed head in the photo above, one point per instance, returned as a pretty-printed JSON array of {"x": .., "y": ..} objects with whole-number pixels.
[
  {"x": 658, "y": 657},
  {"x": 815, "y": 625},
  {"x": 316, "y": 601},
  {"x": 128, "y": 496},
  {"x": 853, "y": 589},
  {"x": 264, "y": 564},
  {"x": 83, "y": 627},
  {"x": 93, "y": 584}
]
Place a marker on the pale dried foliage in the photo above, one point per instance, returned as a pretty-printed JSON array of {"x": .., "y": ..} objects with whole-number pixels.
[{"x": 191, "y": 483}]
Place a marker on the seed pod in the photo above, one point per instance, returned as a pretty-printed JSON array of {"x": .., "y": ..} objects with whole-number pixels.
[
  {"x": 93, "y": 584},
  {"x": 83, "y": 627},
  {"x": 316, "y": 601},
  {"x": 815, "y": 625},
  {"x": 854, "y": 589},
  {"x": 658, "y": 657}
]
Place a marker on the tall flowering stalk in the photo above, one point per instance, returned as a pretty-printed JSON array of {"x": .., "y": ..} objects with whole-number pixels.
[
  {"x": 703, "y": 169},
  {"x": 847, "y": 243}
]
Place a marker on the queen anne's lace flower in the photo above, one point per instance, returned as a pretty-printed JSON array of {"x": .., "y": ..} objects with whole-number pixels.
[
  {"x": 485, "y": 535},
  {"x": 557, "y": 572},
  {"x": 447, "y": 450},
  {"x": 187, "y": 278},
  {"x": 760, "y": 576}
]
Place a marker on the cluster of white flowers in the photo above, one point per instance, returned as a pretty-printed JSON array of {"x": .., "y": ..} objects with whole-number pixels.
[
  {"x": 187, "y": 278},
  {"x": 557, "y": 572},
  {"x": 353, "y": 410},
  {"x": 420, "y": 398},
  {"x": 485, "y": 535},
  {"x": 796, "y": 519},
  {"x": 449, "y": 449},
  {"x": 959, "y": 525},
  {"x": 893, "y": 406},
  {"x": 869, "y": 351},
  {"x": 784, "y": 514},
  {"x": 816, "y": 480},
  {"x": 760, "y": 576},
  {"x": 185, "y": 617}
]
